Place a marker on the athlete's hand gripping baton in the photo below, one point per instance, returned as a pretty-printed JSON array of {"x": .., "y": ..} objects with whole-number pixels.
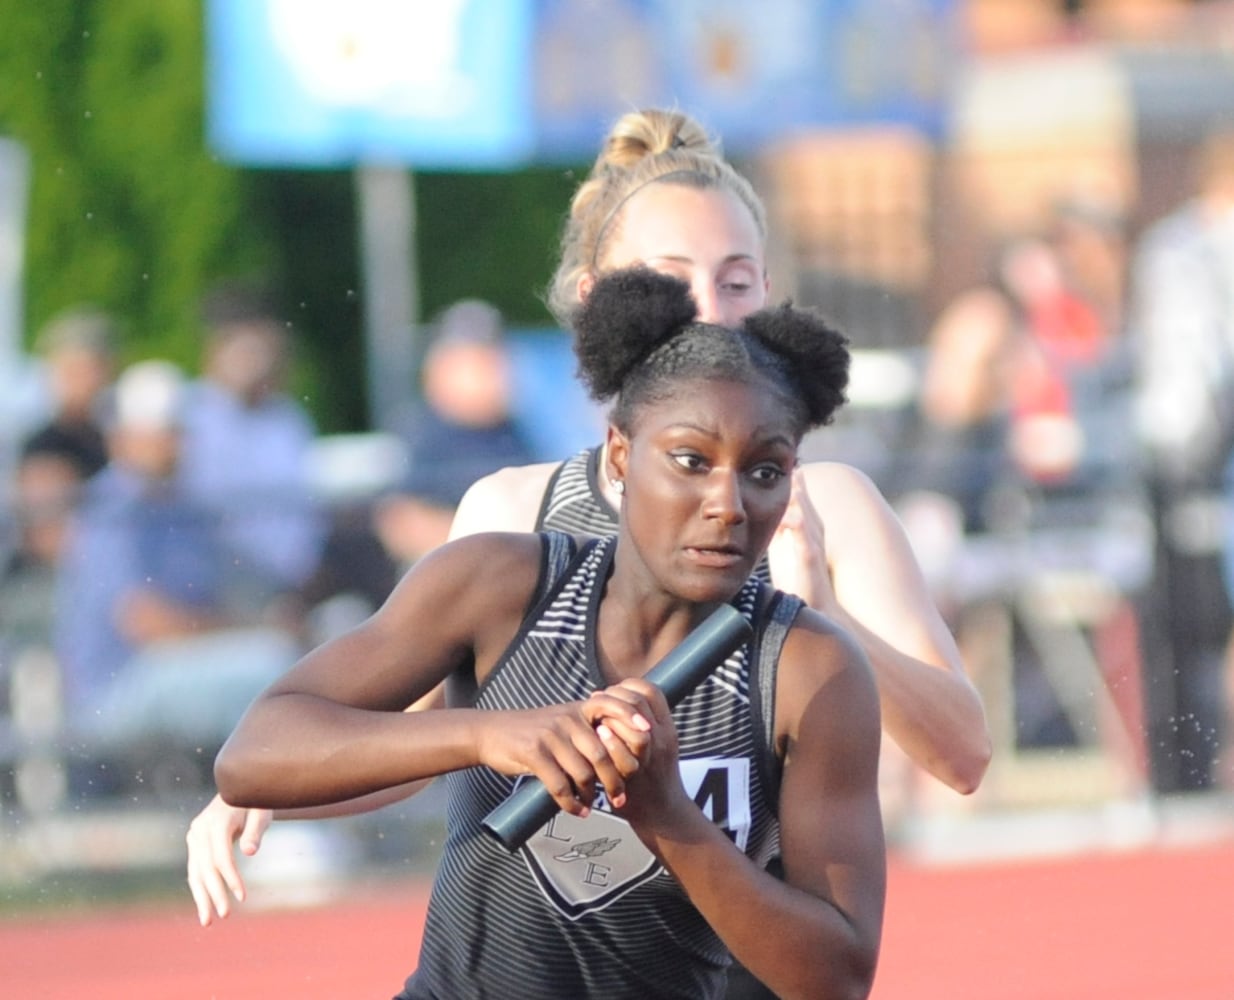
[{"x": 677, "y": 674}]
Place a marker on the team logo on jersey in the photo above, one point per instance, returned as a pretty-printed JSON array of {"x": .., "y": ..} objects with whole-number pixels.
[
  {"x": 583, "y": 865},
  {"x": 588, "y": 849}
]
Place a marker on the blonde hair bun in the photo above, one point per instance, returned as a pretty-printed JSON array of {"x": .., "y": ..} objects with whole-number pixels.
[{"x": 639, "y": 134}]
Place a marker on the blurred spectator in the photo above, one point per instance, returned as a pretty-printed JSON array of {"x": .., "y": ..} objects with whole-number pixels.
[
  {"x": 62, "y": 448},
  {"x": 156, "y": 666},
  {"x": 462, "y": 432},
  {"x": 48, "y": 480},
  {"x": 1183, "y": 326},
  {"x": 1090, "y": 240},
  {"x": 1023, "y": 384},
  {"x": 78, "y": 348},
  {"x": 355, "y": 574},
  {"x": 246, "y": 448},
  {"x": 143, "y": 562},
  {"x": 961, "y": 449},
  {"x": 46, "y": 486},
  {"x": 1015, "y": 384},
  {"x": 1025, "y": 403},
  {"x": 1089, "y": 234},
  {"x": 1063, "y": 339}
]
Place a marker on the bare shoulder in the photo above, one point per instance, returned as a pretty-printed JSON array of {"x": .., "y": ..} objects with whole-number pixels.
[
  {"x": 461, "y": 603},
  {"x": 819, "y": 646},
  {"x": 506, "y": 500},
  {"x": 492, "y": 548},
  {"x": 480, "y": 581},
  {"x": 841, "y": 492},
  {"x": 823, "y": 672}
]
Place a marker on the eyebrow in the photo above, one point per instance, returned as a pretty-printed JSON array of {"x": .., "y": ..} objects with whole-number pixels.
[
  {"x": 684, "y": 259},
  {"x": 774, "y": 438}
]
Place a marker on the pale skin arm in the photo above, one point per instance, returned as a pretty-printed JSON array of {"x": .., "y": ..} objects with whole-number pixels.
[
  {"x": 220, "y": 829},
  {"x": 863, "y": 574},
  {"x": 828, "y": 910}
]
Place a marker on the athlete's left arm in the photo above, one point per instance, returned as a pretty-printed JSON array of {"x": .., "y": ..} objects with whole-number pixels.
[
  {"x": 827, "y": 915},
  {"x": 864, "y": 575}
]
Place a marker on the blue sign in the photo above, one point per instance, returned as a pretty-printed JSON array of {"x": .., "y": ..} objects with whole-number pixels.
[
  {"x": 593, "y": 60},
  {"x": 460, "y": 84},
  {"x": 891, "y": 61},
  {"x": 751, "y": 72},
  {"x": 336, "y": 82}
]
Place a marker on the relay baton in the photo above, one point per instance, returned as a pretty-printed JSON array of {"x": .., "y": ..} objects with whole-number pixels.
[{"x": 677, "y": 674}]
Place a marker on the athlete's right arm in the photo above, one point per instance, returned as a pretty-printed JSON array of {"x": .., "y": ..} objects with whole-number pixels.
[{"x": 333, "y": 727}]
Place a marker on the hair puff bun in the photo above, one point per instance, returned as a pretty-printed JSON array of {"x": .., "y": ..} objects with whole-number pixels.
[{"x": 627, "y": 314}]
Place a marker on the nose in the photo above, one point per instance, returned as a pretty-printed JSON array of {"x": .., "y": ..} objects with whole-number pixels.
[
  {"x": 707, "y": 298},
  {"x": 723, "y": 500}
]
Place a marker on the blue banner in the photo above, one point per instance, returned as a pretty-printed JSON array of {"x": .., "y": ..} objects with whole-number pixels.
[
  {"x": 460, "y": 84},
  {"x": 333, "y": 82},
  {"x": 751, "y": 72}
]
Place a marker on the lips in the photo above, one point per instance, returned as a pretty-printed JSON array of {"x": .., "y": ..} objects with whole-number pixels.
[{"x": 715, "y": 556}]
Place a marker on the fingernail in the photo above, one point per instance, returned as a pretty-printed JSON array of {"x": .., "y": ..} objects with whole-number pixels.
[
  {"x": 641, "y": 723},
  {"x": 604, "y": 732}
]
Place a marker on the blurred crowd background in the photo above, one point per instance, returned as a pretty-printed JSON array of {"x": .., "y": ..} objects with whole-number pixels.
[{"x": 206, "y": 467}]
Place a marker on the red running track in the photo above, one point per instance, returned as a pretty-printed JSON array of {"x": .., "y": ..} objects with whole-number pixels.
[{"x": 1142, "y": 925}]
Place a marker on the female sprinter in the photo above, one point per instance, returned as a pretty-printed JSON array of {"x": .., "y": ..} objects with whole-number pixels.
[
  {"x": 636, "y": 892},
  {"x": 660, "y": 194}
]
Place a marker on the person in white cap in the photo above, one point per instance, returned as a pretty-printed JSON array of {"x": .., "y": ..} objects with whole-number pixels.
[{"x": 142, "y": 562}]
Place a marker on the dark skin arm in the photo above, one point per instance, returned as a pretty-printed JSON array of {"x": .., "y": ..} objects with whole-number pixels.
[
  {"x": 828, "y": 911},
  {"x": 333, "y": 728}
]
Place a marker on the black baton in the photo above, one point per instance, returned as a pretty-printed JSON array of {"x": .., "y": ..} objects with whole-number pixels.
[{"x": 677, "y": 674}]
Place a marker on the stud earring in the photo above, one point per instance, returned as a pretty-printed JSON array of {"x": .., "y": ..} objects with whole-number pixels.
[{"x": 619, "y": 486}]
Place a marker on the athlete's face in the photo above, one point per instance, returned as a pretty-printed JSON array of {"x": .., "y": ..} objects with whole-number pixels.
[
  {"x": 707, "y": 479},
  {"x": 708, "y": 238}
]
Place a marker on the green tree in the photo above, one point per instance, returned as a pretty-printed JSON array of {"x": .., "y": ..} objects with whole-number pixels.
[
  {"x": 131, "y": 211},
  {"x": 128, "y": 208},
  {"x": 493, "y": 236}
]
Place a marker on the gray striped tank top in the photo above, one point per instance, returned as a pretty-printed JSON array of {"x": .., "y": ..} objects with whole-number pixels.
[
  {"x": 573, "y": 502},
  {"x": 583, "y": 909}
]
